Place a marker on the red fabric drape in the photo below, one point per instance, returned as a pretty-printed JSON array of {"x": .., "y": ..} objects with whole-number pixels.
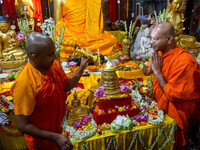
[
  {"x": 10, "y": 12},
  {"x": 112, "y": 10},
  {"x": 37, "y": 13}
]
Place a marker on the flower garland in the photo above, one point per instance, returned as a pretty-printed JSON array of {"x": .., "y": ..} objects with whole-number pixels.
[
  {"x": 144, "y": 105},
  {"x": 5, "y": 103},
  {"x": 3, "y": 118},
  {"x": 160, "y": 117},
  {"x": 79, "y": 134}
]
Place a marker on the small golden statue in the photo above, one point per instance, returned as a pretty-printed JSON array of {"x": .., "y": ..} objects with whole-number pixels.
[
  {"x": 126, "y": 43},
  {"x": 176, "y": 11},
  {"x": 76, "y": 113},
  {"x": 24, "y": 8},
  {"x": 11, "y": 56}
]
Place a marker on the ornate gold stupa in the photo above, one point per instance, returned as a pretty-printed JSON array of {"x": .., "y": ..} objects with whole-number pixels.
[{"x": 110, "y": 80}]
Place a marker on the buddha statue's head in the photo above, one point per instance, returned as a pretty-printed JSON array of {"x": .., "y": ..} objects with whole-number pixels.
[
  {"x": 4, "y": 25},
  {"x": 76, "y": 101}
]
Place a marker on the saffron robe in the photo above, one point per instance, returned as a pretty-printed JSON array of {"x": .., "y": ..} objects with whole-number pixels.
[
  {"x": 83, "y": 20},
  {"x": 180, "y": 99},
  {"x": 43, "y": 98}
]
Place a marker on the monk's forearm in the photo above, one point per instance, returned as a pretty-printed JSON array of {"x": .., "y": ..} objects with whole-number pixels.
[
  {"x": 161, "y": 80},
  {"x": 36, "y": 132},
  {"x": 24, "y": 126},
  {"x": 74, "y": 79},
  {"x": 147, "y": 71}
]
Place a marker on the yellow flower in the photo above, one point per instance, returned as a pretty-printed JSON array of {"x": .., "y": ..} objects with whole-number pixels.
[
  {"x": 9, "y": 98},
  {"x": 134, "y": 107},
  {"x": 120, "y": 109},
  {"x": 5, "y": 110},
  {"x": 144, "y": 82}
]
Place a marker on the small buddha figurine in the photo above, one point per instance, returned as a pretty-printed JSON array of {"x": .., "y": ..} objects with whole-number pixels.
[
  {"x": 5, "y": 34},
  {"x": 9, "y": 44},
  {"x": 126, "y": 47},
  {"x": 13, "y": 50},
  {"x": 76, "y": 113},
  {"x": 11, "y": 56},
  {"x": 24, "y": 8}
]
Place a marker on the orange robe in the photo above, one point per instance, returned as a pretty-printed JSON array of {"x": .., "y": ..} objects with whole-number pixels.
[
  {"x": 43, "y": 98},
  {"x": 180, "y": 99},
  {"x": 83, "y": 20}
]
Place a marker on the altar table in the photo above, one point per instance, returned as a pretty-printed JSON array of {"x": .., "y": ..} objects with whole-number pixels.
[{"x": 141, "y": 137}]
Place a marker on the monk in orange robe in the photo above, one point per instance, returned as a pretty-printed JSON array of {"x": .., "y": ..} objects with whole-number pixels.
[
  {"x": 39, "y": 95},
  {"x": 176, "y": 81},
  {"x": 83, "y": 20}
]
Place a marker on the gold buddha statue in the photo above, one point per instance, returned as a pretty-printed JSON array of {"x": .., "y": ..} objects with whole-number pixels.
[
  {"x": 24, "y": 8},
  {"x": 84, "y": 24},
  {"x": 76, "y": 113},
  {"x": 176, "y": 11},
  {"x": 13, "y": 50},
  {"x": 11, "y": 56}
]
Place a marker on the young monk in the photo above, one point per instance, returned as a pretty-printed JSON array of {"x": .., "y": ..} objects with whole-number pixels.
[
  {"x": 39, "y": 94},
  {"x": 176, "y": 81}
]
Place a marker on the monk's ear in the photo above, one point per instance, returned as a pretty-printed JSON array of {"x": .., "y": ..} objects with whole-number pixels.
[
  {"x": 34, "y": 57},
  {"x": 170, "y": 38}
]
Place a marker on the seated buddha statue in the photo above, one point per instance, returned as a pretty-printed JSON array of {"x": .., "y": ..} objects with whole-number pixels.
[
  {"x": 77, "y": 112},
  {"x": 9, "y": 47},
  {"x": 83, "y": 20},
  {"x": 141, "y": 39},
  {"x": 145, "y": 45},
  {"x": 13, "y": 50}
]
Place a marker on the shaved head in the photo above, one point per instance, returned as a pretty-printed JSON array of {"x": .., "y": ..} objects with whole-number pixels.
[
  {"x": 37, "y": 43},
  {"x": 163, "y": 37},
  {"x": 40, "y": 50},
  {"x": 166, "y": 27}
]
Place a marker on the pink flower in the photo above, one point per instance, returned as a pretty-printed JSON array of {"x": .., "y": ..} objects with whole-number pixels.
[
  {"x": 99, "y": 92},
  {"x": 77, "y": 124},
  {"x": 85, "y": 119},
  {"x": 142, "y": 117},
  {"x": 121, "y": 58},
  {"x": 134, "y": 122},
  {"x": 191, "y": 52},
  {"x": 124, "y": 88},
  {"x": 20, "y": 36},
  {"x": 138, "y": 57},
  {"x": 71, "y": 63},
  {"x": 102, "y": 87}
]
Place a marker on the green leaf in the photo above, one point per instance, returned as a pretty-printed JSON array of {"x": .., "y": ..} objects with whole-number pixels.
[{"x": 73, "y": 140}]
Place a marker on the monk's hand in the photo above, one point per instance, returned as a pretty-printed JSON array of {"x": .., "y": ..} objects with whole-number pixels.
[
  {"x": 85, "y": 61},
  {"x": 63, "y": 142},
  {"x": 156, "y": 63}
]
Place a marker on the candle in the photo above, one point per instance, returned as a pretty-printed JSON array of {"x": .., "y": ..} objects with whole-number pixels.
[{"x": 99, "y": 56}]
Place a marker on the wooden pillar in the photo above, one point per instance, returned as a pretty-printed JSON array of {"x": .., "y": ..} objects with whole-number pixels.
[{"x": 45, "y": 4}]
